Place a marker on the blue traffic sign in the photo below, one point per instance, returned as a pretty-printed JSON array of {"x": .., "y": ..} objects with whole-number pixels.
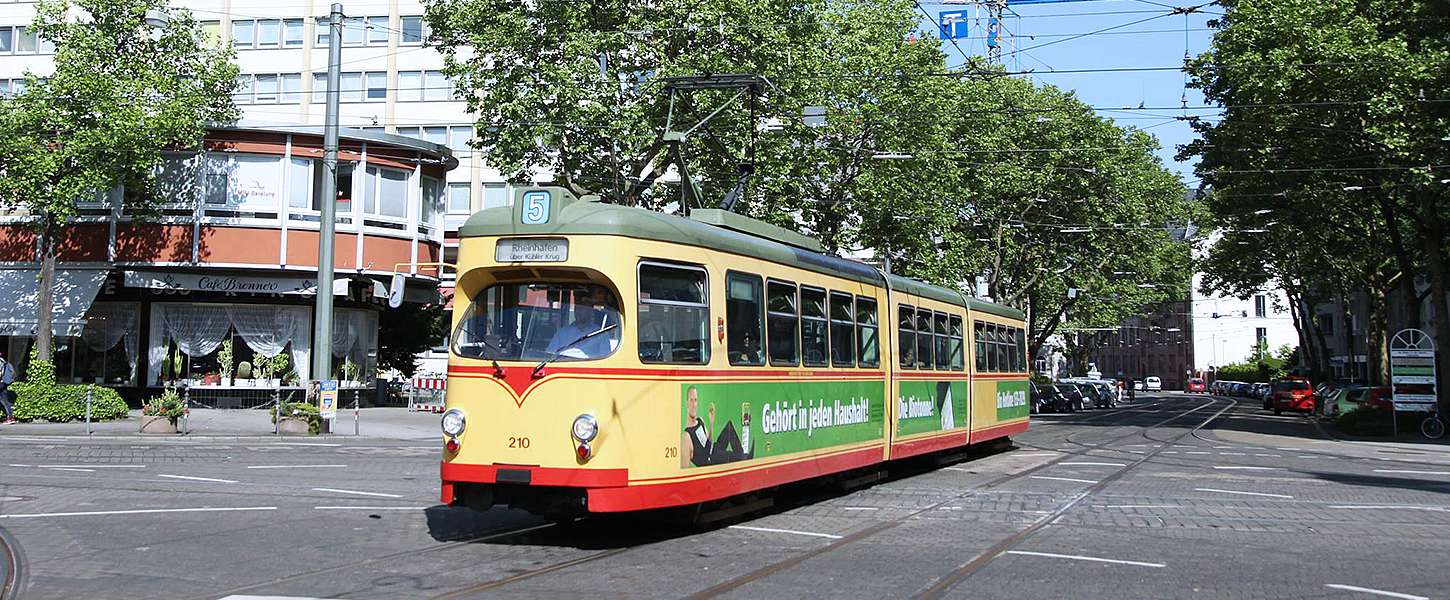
[{"x": 953, "y": 24}]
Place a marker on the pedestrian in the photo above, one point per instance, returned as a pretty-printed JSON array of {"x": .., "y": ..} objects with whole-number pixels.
[{"x": 7, "y": 376}]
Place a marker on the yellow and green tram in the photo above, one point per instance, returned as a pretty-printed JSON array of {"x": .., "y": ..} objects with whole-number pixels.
[{"x": 607, "y": 358}]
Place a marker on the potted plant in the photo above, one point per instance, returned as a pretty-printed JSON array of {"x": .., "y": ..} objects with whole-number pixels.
[
  {"x": 298, "y": 418},
  {"x": 159, "y": 415},
  {"x": 225, "y": 358},
  {"x": 244, "y": 374},
  {"x": 276, "y": 365},
  {"x": 262, "y": 369},
  {"x": 349, "y": 373}
]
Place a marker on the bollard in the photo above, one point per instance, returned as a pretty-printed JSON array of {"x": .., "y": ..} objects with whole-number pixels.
[
  {"x": 355, "y": 430},
  {"x": 277, "y": 410},
  {"x": 89, "y": 389},
  {"x": 186, "y": 410}
]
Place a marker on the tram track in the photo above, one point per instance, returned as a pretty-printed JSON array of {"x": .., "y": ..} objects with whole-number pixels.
[
  {"x": 11, "y": 562},
  {"x": 783, "y": 565}
]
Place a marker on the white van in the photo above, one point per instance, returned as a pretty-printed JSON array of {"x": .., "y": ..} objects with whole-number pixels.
[{"x": 1153, "y": 384}]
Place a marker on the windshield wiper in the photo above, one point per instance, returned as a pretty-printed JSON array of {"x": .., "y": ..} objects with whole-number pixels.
[
  {"x": 497, "y": 368},
  {"x": 560, "y": 351}
]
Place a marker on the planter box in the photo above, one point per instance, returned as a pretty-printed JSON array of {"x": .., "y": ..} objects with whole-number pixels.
[
  {"x": 157, "y": 425},
  {"x": 293, "y": 426}
]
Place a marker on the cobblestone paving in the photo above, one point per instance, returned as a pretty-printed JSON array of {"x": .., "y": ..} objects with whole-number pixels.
[{"x": 1129, "y": 503}]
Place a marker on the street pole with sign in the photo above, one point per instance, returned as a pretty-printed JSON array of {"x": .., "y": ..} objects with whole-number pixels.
[
  {"x": 1412, "y": 374},
  {"x": 322, "y": 316}
]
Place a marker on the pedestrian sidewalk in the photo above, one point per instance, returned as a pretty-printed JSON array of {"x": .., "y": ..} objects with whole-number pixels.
[{"x": 372, "y": 423}]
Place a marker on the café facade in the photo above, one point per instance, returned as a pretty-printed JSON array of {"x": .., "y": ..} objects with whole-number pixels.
[{"x": 216, "y": 291}]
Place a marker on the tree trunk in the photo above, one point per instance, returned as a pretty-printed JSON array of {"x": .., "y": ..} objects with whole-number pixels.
[
  {"x": 1321, "y": 345},
  {"x": 1378, "y": 323},
  {"x": 1440, "y": 315},
  {"x": 1307, "y": 355},
  {"x": 46, "y": 289}
]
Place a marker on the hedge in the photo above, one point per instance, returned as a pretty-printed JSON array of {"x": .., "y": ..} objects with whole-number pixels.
[{"x": 39, "y": 397}]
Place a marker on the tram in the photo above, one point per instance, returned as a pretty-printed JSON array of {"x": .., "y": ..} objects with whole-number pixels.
[{"x": 607, "y": 359}]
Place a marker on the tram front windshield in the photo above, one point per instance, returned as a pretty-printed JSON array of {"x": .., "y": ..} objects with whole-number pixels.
[{"x": 539, "y": 321}]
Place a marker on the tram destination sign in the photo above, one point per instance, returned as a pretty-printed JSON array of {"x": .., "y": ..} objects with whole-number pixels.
[{"x": 531, "y": 250}]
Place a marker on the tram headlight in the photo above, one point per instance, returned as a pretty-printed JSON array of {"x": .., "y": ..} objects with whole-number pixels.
[
  {"x": 453, "y": 422},
  {"x": 585, "y": 428}
]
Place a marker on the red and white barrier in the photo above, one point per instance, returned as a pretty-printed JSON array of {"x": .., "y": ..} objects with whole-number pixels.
[{"x": 427, "y": 394}]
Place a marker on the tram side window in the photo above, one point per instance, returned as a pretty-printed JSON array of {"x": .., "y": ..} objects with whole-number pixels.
[
  {"x": 781, "y": 319},
  {"x": 999, "y": 349},
  {"x": 868, "y": 351},
  {"x": 1009, "y": 335},
  {"x": 843, "y": 325},
  {"x": 979, "y": 337},
  {"x": 813, "y": 326},
  {"x": 674, "y": 314},
  {"x": 906, "y": 334},
  {"x": 943, "y": 352},
  {"x": 923, "y": 339},
  {"x": 1021, "y": 351},
  {"x": 744, "y": 313},
  {"x": 955, "y": 351}
]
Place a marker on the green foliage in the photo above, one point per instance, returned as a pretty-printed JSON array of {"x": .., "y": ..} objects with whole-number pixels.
[
  {"x": 39, "y": 397},
  {"x": 244, "y": 370},
  {"x": 169, "y": 404},
  {"x": 974, "y": 193},
  {"x": 405, "y": 332},
  {"x": 301, "y": 410}
]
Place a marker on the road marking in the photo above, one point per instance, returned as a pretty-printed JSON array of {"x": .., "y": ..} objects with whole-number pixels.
[
  {"x": 370, "y": 508},
  {"x": 1142, "y": 506},
  {"x": 859, "y": 508},
  {"x": 1198, "y": 452},
  {"x": 1390, "y": 507},
  {"x": 1092, "y": 464},
  {"x": 1088, "y": 558},
  {"x": 188, "y": 478},
  {"x": 319, "y": 445},
  {"x": 1355, "y": 588},
  {"x": 958, "y": 469},
  {"x": 145, "y": 511},
  {"x": 1038, "y": 454},
  {"x": 1269, "y": 455},
  {"x": 1222, "y": 447},
  {"x": 337, "y": 491},
  {"x": 235, "y": 597},
  {"x": 297, "y": 467},
  {"x": 1309, "y": 456},
  {"x": 1238, "y": 468},
  {"x": 70, "y": 469},
  {"x": 1170, "y": 452},
  {"x": 1233, "y": 453},
  {"x": 1411, "y": 472},
  {"x": 790, "y": 531},
  {"x": 10, "y": 498},
  {"x": 1241, "y": 493},
  {"x": 1063, "y": 479},
  {"x": 90, "y": 466}
]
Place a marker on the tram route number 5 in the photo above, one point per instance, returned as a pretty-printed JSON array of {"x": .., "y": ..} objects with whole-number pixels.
[{"x": 536, "y": 207}]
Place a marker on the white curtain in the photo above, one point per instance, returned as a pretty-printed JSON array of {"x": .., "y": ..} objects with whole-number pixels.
[
  {"x": 267, "y": 329},
  {"x": 302, "y": 346},
  {"x": 197, "y": 329},
  {"x": 344, "y": 332},
  {"x": 107, "y": 324}
]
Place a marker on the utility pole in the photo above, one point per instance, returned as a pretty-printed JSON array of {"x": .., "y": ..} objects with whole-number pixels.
[{"x": 322, "y": 316}]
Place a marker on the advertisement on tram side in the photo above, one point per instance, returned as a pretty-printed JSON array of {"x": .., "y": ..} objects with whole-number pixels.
[
  {"x": 723, "y": 423},
  {"x": 927, "y": 406}
]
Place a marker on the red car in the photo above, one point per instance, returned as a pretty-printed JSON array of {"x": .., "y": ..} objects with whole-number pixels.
[
  {"x": 1196, "y": 386},
  {"x": 1293, "y": 393}
]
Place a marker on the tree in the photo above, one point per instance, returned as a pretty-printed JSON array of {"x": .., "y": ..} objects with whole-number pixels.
[
  {"x": 1334, "y": 119},
  {"x": 122, "y": 92},
  {"x": 407, "y": 331}
]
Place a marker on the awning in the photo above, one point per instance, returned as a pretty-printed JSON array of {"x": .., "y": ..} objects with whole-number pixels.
[{"x": 75, "y": 290}]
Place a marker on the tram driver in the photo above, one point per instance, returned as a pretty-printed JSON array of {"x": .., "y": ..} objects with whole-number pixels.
[{"x": 584, "y": 337}]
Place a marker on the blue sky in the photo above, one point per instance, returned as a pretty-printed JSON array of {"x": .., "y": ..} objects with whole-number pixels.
[{"x": 1045, "y": 37}]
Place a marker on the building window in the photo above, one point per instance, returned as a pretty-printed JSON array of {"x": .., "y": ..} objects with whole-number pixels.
[
  {"x": 291, "y": 88},
  {"x": 1261, "y": 336},
  {"x": 436, "y": 135},
  {"x": 351, "y": 85},
  {"x": 436, "y": 86},
  {"x": 744, "y": 312},
  {"x": 385, "y": 192},
  {"x": 432, "y": 202},
  {"x": 410, "y": 86},
  {"x": 412, "y": 30},
  {"x": 1261, "y": 308},
  {"x": 378, "y": 31},
  {"x": 458, "y": 138},
  {"x": 244, "y": 33},
  {"x": 267, "y": 88},
  {"x": 495, "y": 195},
  {"x": 674, "y": 314},
  {"x": 319, "y": 88},
  {"x": 292, "y": 33},
  {"x": 354, "y": 31},
  {"x": 7, "y": 40},
  {"x": 242, "y": 181},
  {"x": 269, "y": 33},
  {"x": 377, "y": 86},
  {"x": 299, "y": 183},
  {"x": 460, "y": 198},
  {"x": 1326, "y": 323},
  {"x": 344, "y": 187}
]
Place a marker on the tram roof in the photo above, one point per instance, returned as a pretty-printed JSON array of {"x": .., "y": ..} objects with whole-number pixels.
[{"x": 582, "y": 217}]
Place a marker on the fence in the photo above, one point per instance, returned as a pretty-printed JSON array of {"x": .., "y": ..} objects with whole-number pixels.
[
  {"x": 426, "y": 393},
  {"x": 264, "y": 397}
]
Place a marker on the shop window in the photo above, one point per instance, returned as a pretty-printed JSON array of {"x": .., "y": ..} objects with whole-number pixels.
[
  {"x": 868, "y": 350},
  {"x": 744, "y": 313},
  {"x": 242, "y": 181},
  {"x": 105, "y": 353},
  {"x": 674, "y": 314},
  {"x": 782, "y": 324},
  {"x": 813, "y": 326},
  {"x": 843, "y": 336},
  {"x": 299, "y": 183},
  {"x": 344, "y": 187}
]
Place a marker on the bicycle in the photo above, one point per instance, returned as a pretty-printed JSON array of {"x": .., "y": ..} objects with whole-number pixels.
[{"x": 1434, "y": 425}]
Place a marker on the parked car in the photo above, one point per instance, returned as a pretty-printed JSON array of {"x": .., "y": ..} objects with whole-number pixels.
[
  {"x": 1293, "y": 393},
  {"x": 1040, "y": 400},
  {"x": 1261, "y": 391},
  {"x": 1196, "y": 386},
  {"x": 1337, "y": 400},
  {"x": 1069, "y": 397},
  {"x": 1153, "y": 384}
]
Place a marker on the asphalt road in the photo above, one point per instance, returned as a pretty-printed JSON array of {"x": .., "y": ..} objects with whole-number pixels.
[{"x": 1169, "y": 497}]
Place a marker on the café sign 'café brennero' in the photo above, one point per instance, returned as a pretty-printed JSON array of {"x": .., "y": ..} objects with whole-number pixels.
[{"x": 232, "y": 258}]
